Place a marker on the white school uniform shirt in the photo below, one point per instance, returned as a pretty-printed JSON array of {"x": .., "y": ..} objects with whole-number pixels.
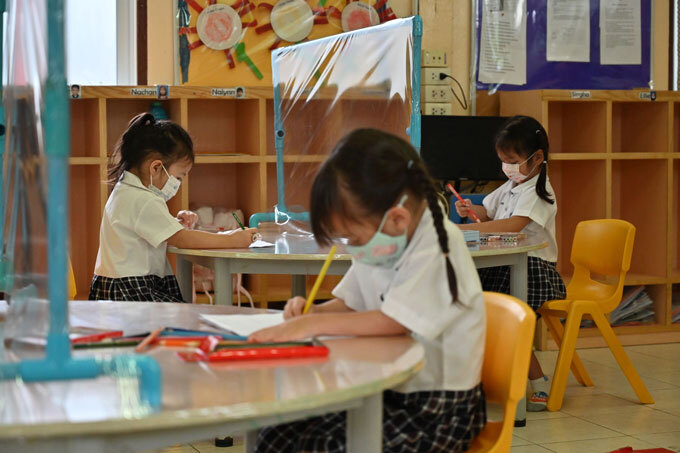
[
  {"x": 512, "y": 199},
  {"x": 134, "y": 231},
  {"x": 416, "y": 294}
]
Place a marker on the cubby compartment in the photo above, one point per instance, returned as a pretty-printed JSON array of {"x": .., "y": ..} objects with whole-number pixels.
[
  {"x": 224, "y": 126},
  {"x": 640, "y": 305},
  {"x": 640, "y": 127},
  {"x": 85, "y": 128},
  {"x": 580, "y": 193},
  {"x": 640, "y": 196},
  {"x": 85, "y": 211},
  {"x": 676, "y": 127},
  {"x": 311, "y": 127},
  {"x": 675, "y": 304},
  {"x": 587, "y": 119},
  {"x": 298, "y": 182},
  {"x": 119, "y": 113},
  {"x": 674, "y": 240},
  {"x": 231, "y": 186}
]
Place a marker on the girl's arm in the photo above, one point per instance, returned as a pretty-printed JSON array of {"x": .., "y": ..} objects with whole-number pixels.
[
  {"x": 514, "y": 224},
  {"x": 194, "y": 239},
  {"x": 295, "y": 306},
  {"x": 464, "y": 208},
  {"x": 364, "y": 323}
]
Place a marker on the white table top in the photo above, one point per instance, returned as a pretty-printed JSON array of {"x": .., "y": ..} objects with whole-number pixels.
[
  {"x": 290, "y": 247},
  {"x": 196, "y": 394}
]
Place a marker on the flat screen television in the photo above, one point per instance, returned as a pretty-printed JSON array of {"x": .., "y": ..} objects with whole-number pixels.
[{"x": 461, "y": 147}]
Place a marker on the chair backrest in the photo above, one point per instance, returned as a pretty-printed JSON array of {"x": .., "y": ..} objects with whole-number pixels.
[
  {"x": 603, "y": 247},
  {"x": 510, "y": 325},
  {"x": 475, "y": 198}
]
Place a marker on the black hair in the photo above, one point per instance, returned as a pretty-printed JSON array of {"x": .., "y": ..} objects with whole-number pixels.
[
  {"x": 373, "y": 168},
  {"x": 144, "y": 137},
  {"x": 524, "y": 136}
]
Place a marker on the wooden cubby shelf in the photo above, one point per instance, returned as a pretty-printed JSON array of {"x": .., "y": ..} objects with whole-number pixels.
[
  {"x": 235, "y": 164},
  {"x": 616, "y": 155}
]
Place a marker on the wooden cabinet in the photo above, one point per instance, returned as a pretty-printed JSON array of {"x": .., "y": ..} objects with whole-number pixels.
[{"x": 616, "y": 155}]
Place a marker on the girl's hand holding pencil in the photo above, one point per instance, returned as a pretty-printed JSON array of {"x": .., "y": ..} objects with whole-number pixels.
[
  {"x": 187, "y": 219},
  {"x": 463, "y": 208},
  {"x": 295, "y": 307}
]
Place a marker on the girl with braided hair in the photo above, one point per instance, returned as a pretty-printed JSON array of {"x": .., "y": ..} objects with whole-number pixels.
[
  {"x": 411, "y": 273},
  {"x": 525, "y": 203}
]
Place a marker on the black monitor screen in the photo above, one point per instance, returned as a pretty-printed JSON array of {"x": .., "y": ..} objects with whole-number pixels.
[{"x": 461, "y": 147}]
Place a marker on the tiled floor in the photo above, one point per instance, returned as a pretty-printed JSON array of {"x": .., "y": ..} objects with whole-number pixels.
[{"x": 597, "y": 419}]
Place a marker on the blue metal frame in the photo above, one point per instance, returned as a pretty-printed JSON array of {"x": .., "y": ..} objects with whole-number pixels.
[
  {"x": 413, "y": 130},
  {"x": 58, "y": 363}
]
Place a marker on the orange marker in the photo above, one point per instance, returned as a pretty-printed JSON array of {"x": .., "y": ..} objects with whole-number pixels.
[
  {"x": 152, "y": 336},
  {"x": 472, "y": 213}
]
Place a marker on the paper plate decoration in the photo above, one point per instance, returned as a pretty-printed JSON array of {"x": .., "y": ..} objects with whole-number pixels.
[
  {"x": 292, "y": 20},
  {"x": 219, "y": 27},
  {"x": 358, "y": 15}
]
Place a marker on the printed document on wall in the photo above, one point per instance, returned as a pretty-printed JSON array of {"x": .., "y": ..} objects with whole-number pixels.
[
  {"x": 568, "y": 34},
  {"x": 620, "y": 32},
  {"x": 503, "y": 49}
]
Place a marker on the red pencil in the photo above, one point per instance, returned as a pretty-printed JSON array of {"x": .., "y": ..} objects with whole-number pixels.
[
  {"x": 472, "y": 213},
  {"x": 97, "y": 337}
]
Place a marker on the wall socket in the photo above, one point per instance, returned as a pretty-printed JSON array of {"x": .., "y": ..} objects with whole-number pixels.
[
  {"x": 436, "y": 108},
  {"x": 434, "y": 59},
  {"x": 430, "y": 76},
  {"x": 435, "y": 93}
]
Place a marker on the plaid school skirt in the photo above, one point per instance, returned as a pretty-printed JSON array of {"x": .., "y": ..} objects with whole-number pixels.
[
  {"x": 544, "y": 284},
  {"x": 145, "y": 288},
  {"x": 436, "y": 421}
]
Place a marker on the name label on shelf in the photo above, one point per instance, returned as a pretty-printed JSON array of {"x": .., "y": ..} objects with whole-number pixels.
[
  {"x": 143, "y": 92},
  {"x": 580, "y": 94},
  {"x": 651, "y": 95},
  {"x": 236, "y": 92}
]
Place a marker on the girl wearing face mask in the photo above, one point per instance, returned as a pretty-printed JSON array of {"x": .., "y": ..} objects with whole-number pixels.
[
  {"x": 148, "y": 164},
  {"x": 411, "y": 274},
  {"x": 525, "y": 203}
]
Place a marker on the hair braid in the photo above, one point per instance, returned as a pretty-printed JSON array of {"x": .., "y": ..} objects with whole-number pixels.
[{"x": 425, "y": 185}]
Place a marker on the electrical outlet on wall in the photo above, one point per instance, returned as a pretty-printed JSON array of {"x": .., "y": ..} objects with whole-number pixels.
[
  {"x": 436, "y": 108},
  {"x": 430, "y": 76},
  {"x": 434, "y": 59},
  {"x": 435, "y": 93}
]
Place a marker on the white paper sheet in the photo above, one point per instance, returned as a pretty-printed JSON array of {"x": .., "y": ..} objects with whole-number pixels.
[
  {"x": 568, "y": 33},
  {"x": 243, "y": 324},
  {"x": 260, "y": 243},
  {"x": 503, "y": 50},
  {"x": 620, "y": 32}
]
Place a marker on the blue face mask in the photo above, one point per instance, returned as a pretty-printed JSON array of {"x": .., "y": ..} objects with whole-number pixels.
[{"x": 381, "y": 250}]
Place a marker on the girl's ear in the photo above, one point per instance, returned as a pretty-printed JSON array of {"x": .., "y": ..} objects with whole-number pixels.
[
  {"x": 540, "y": 155},
  {"x": 155, "y": 166},
  {"x": 399, "y": 219}
]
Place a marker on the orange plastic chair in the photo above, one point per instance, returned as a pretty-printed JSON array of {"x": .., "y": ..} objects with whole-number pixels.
[
  {"x": 603, "y": 247},
  {"x": 510, "y": 325},
  {"x": 71, "y": 282}
]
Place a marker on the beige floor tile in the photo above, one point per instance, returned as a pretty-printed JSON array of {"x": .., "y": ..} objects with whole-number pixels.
[
  {"x": 562, "y": 430},
  {"x": 647, "y": 366},
  {"x": 209, "y": 447},
  {"x": 667, "y": 400},
  {"x": 595, "y": 404},
  {"x": 175, "y": 449},
  {"x": 669, "y": 351},
  {"x": 598, "y": 445},
  {"x": 518, "y": 441},
  {"x": 544, "y": 415},
  {"x": 670, "y": 441},
  {"x": 636, "y": 420},
  {"x": 529, "y": 449}
]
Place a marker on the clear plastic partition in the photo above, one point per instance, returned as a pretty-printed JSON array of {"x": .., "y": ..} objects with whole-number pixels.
[{"x": 326, "y": 88}]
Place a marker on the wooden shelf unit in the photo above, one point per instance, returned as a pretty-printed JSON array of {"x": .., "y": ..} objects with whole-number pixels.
[
  {"x": 235, "y": 163},
  {"x": 616, "y": 155}
]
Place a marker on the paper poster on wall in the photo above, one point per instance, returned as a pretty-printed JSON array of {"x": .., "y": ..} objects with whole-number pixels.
[
  {"x": 503, "y": 56},
  {"x": 620, "y": 32},
  {"x": 568, "y": 30}
]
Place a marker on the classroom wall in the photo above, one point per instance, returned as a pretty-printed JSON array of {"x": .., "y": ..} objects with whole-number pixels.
[{"x": 446, "y": 27}]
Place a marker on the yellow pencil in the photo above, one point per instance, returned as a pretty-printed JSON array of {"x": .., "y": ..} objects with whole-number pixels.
[{"x": 319, "y": 279}]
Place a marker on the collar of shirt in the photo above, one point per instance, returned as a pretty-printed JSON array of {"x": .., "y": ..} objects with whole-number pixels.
[
  {"x": 529, "y": 183},
  {"x": 425, "y": 218},
  {"x": 133, "y": 181}
]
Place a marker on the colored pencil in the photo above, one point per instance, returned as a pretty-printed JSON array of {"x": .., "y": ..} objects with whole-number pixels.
[
  {"x": 152, "y": 336},
  {"x": 457, "y": 195},
  {"x": 319, "y": 279}
]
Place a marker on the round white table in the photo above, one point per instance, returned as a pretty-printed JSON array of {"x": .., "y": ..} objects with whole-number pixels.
[{"x": 201, "y": 401}]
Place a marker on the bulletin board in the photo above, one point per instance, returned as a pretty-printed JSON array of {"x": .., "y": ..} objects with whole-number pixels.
[
  {"x": 544, "y": 74},
  {"x": 233, "y": 47}
]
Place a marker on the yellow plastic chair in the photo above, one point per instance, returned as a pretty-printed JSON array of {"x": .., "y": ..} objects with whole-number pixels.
[
  {"x": 603, "y": 247},
  {"x": 72, "y": 291},
  {"x": 510, "y": 325}
]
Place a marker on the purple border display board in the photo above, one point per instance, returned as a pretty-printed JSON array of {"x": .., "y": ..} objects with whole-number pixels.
[{"x": 543, "y": 74}]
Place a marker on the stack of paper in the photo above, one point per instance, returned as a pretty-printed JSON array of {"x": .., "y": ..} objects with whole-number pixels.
[
  {"x": 243, "y": 324},
  {"x": 635, "y": 308}
]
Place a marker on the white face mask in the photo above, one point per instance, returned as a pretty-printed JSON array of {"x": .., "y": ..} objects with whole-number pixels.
[
  {"x": 513, "y": 173},
  {"x": 169, "y": 189}
]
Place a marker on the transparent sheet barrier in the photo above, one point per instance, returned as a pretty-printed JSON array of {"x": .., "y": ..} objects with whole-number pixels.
[
  {"x": 325, "y": 89},
  {"x": 34, "y": 328}
]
